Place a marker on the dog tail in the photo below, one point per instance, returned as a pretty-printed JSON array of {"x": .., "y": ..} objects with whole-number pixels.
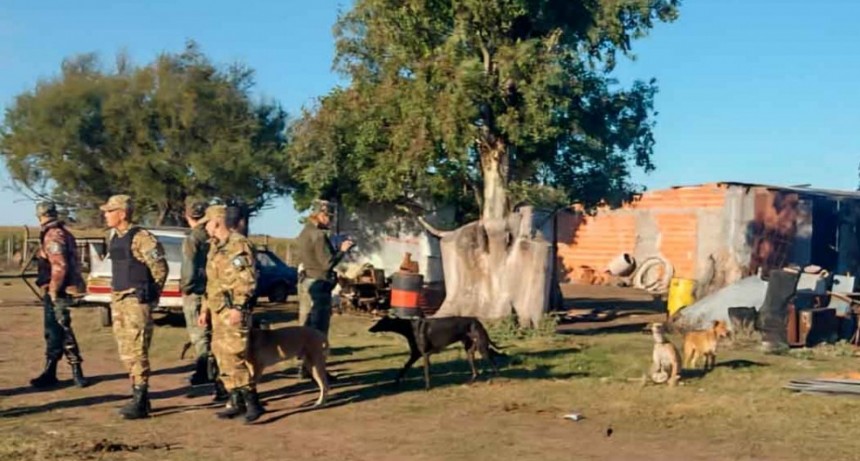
[
  {"x": 496, "y": 350},
  {"x": 185, "y": 348}
]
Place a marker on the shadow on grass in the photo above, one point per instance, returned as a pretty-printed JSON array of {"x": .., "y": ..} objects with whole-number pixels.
[
  {"x": 349, "y": 388},
  {"x": 636, "y": 327},
  {"x": 697, "y": 373},
  {"x": 88, "y": 401},
  {"x": 94, "y": 380},
  {"x": 374, "y": 384}
]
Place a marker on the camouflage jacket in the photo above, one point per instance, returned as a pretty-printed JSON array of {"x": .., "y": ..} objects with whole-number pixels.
[
  {"x": 148, "y": 250},
  {"x": 59, "y": 267},
  {"x": 195, "y": 248},
  {"x": 231, "y": 274}
]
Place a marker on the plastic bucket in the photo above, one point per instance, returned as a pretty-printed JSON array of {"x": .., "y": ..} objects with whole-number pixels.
[{"x": 681, "y": 294}]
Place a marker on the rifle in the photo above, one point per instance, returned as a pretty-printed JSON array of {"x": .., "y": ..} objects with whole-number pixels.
[{"x": 40, "y": 296}]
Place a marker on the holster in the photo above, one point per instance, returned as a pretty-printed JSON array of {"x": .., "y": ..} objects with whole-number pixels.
[
  {"x": 211, "y": 367},
  {"x": 43, "y": 275},
  {"x": 147, "y": 294}
]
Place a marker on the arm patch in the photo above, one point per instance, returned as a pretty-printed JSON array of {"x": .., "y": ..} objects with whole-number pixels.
[
  {"x": 240, "y": 262},
  {"x": 55, "y": 248}
]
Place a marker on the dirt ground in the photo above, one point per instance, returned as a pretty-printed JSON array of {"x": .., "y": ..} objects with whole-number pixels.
[{"x": 738, "y": 411}]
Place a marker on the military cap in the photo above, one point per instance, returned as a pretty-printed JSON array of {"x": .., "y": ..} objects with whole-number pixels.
[
  {"x": 46, "y": 210},
  {"x": 195, "y": 208},
  {"x": 214, "y": 212},
  {"x": 322, "y": 206},
  {"x": 118, "y": 202}
]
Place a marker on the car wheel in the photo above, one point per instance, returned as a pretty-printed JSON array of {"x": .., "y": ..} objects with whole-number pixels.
[
  {"x": 279, "y": 293},
  {"x": 104, "y": 315}
]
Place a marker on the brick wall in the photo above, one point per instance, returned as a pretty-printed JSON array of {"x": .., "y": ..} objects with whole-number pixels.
[{"x": 665, "y": 221}]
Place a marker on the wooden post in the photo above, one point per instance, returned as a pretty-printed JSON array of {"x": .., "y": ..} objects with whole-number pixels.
[{"x": 25, "y": 250}]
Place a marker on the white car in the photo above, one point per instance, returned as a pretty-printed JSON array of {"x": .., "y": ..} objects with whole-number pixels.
[
  {"x": 276, "y": 280},
  {"x": 99, "y": 279}
]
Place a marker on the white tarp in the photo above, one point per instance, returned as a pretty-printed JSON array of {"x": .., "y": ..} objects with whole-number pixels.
[{"x": 747, "y": 292}]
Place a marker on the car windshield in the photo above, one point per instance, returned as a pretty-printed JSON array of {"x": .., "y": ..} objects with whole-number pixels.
[
  {"x": 265, "y": 260},
  {"x": 172, "y": 247}
]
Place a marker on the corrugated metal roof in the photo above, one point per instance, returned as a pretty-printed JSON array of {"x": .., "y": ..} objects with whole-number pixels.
[{"x": 807, "y": 191}]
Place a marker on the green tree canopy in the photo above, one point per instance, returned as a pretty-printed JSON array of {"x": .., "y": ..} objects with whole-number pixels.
[
  {"x": 178, "y": 127},
  {"x": 483, "y": 103}
]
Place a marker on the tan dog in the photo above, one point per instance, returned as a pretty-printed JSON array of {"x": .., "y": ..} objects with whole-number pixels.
[
  {"x": 666, "y": 361},
  {"x": 703, "y": 343},
  {"x": 270, "y": 347}
]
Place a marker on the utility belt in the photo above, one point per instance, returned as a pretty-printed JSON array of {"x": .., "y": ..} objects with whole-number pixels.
[
  {"x": 145, "y": 295},
  {"x": 227, "y": 303}
]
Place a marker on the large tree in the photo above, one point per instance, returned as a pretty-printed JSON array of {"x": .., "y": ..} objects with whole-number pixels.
[
  {"x": 497, "y": 101},
  {"x": 177, "y": 127}
]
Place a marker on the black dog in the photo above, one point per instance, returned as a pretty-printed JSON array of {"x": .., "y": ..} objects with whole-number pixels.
[{"x": 431, "y": 335}]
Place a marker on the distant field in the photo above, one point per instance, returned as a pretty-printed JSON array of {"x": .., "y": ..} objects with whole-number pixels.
[{"x": 12, "y": 242}]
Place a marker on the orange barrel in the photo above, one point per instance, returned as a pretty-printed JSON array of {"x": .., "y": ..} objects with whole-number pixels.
[{"x": 406, "y": 293}]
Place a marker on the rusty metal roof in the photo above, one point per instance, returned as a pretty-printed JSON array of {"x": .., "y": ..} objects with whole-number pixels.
[{"x": 800, "y": 190}]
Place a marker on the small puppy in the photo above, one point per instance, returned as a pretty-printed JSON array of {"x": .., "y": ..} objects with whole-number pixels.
[
  {"x": 666, "y": 361},
  {"x": 703, "y": 343}
]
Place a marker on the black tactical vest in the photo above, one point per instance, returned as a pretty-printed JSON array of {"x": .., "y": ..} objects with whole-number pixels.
[{"x": 126, "y": 271}]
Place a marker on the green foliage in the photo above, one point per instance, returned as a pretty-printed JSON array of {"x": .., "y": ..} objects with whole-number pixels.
[
  {"x": 509, "y": 329},
  {"x": 439, "y": 90},
  {"x": 179, "y": 126}
]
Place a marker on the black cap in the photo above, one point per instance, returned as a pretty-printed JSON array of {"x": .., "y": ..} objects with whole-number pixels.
[
  {"x": 196, "y": 209},
  {"x": 46, "y": 209}
]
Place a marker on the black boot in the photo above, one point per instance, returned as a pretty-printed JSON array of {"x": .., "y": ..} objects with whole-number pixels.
[
  {"x": 236, "y": 406},
  {"x": 139, "y": 406},
  {"x": 252, "y": 403},
  {"x": 78, "y": 376},
  {"x": 201, "y": 371},
  {"x": 221, "y": 394},
  {"x": 49, "y": 375}
]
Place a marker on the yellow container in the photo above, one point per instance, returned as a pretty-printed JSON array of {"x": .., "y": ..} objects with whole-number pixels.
[{"x": 681, "y": 294}]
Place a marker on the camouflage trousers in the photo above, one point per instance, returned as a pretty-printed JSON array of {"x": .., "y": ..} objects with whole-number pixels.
[
  {"x": 132, "y": 328},
  {"x": 199, "y": 337},
  {"x": 229, "y": 345},
  {"x": 59, "y": 337},
  {"x": 315, "y": 304}
]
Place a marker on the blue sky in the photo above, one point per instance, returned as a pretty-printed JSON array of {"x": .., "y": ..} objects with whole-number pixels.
[{"x": 758, "y": 90}]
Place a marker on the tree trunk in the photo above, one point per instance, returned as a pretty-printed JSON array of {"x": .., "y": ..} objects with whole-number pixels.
[
  {"x": 494, "y": 169},
  {"x": 496, "y": 267}
]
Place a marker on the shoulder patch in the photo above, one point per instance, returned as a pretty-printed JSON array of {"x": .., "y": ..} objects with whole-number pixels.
[
  {"x": 55, "y": 248},
  {"x": 155, "y": 254},
  {"x": 241, "y": 261}
]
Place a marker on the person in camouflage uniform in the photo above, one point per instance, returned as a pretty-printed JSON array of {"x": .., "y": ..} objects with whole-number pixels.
[
  {"x": 59, "y": 273},
  {"x": 231, "y": 278},
  {"x": 193, "y": 286},
  {"x": 139, "y": 270}
]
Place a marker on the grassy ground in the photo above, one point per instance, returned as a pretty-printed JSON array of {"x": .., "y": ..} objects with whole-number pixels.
[{"x": 738, "y": 411}]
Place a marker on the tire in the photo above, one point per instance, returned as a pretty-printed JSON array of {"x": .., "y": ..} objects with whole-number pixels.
[
  {"x": 104, "y": 315},
  {"x": 279, "y": 293}
]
